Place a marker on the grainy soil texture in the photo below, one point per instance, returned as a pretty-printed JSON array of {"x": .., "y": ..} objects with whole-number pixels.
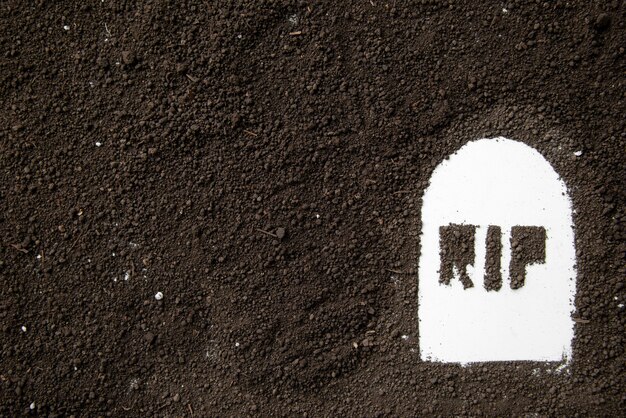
[{"x": 261, "y": 164}]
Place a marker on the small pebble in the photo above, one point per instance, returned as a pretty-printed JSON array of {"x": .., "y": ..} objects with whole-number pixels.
[
  {"x": 128, "y": 57},
  {"x": 603, "y": 21},
  {"x": 280, "y": 233}
]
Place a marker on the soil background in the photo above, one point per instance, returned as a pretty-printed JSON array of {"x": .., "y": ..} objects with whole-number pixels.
[{"x": 262, "y": 164}]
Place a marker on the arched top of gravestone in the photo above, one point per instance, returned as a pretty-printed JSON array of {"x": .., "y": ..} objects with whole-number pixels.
[{"x": 497, "y": 180}]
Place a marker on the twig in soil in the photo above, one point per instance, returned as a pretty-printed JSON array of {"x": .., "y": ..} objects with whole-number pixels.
[
  {"x": 581, "y": 320},
  {"x": 395, "y": 271},
  {"x": 192, "y": 78},
  {"x": 402, "y": 191},
  {"x": 190, "y": 409},
  {"x": 19, "y": 248},
  {"x": 296, "y": 33},
  {"x": 267, "y": 233},
  {"x": 250, "y": 132}
]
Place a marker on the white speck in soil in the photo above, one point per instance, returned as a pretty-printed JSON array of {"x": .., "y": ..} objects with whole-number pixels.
[
  {"x": 98, "y": 144},
  {"x": 158, "y": 296},
  {"x": 23, "y": 328},
  {"x": 66, "y": 27},
  {"x": 578, "y": 153},
  {"x": 561, "y": 368},
  {"x": 32, "y": 405}
]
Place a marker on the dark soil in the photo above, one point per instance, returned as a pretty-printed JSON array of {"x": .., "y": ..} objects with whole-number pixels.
[
  {"x": 457, "y": 243},
  {"x": 528, "y": 246},
  {"x": 262, "y": 165},
  {"x": 493, "y": 259}
]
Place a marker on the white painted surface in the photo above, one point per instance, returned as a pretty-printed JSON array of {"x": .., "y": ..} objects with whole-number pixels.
[{"x": 497, "y": 182}]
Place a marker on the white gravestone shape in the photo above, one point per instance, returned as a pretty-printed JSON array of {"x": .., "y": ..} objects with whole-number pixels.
[{"x": 506, "y": 189}]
